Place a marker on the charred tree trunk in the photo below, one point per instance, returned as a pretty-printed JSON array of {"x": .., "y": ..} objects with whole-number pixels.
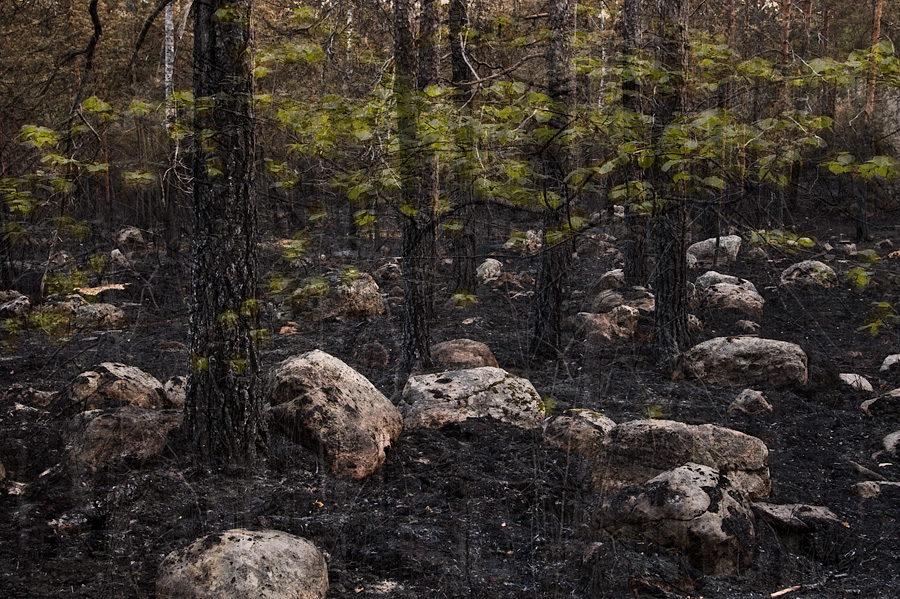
[
  {"x": 417, "y": 226},
  {"x": 637, "y": 271},
  {"x": 862, "y": 197},
  {"x": 224, "y": 415},
  {"x": 556, "y": 252},
  {"x": 670, "y": 218},
  {"x": 463, "y": 244}
]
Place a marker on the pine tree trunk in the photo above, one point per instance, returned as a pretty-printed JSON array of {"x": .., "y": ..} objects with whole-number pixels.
[
  {"x": 636, "y": 270},
  {"x": 556, "y": 254},
  {"x": 670, "y": 220},
  {"x": 224, "y": 408},
  {"x": 417, "y": 229},
  {"x": 463, "y": 241}
]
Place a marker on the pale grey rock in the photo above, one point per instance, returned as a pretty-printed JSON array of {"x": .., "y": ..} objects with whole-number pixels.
[
  {"x": 238, "y": 564},
  {"x": 795, "y": 517},
  {"x": 435, "y": 400},
  {"x": 356, "y": 298},
  {"x": 867, "y": 489},
  {"x": 99, "y": 316},
  {"x": 612, "y": 279},
  {"x": 489, "y": 270},
  {"x": 738, "y": 298},
  {"x": 14, "y": 305},
  {"x": 130, "y": 237},
  {"x": 704, "y": 251},
  {"x": 887, "y": 405},
  {"x": 636, "y": 451},
  {"x": 808, "y": 274},
  {"x": 112, "y": 385},
  {"x": 744, "y": 361},
  {"x": 891, "y": 444},
  {"x": 389, "y": 272},
  {"x": 693, "y": 509},
  {"x": 176, "y": 389},
  {"x": 321, "y": 403},
  {"x": 98, "y": 438},
  {"x": 459, "y": 354},
  {"x": 891, "y": 362},
  {"x": 750, "y": 401},
  {"x": 620, "y": 322},
  {"x": 579, "y": 431},
  {"x": 855, "y": 381}
]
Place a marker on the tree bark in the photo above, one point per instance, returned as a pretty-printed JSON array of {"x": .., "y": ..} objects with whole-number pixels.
[
  {"x": 417, "y": 227},
  {"x": 671, "y": 333},
  {"x": 556, "y": 252},
  {"x": 463, "y": 241},
  {"x": 224, "y": 414},
  {"x": 637, "y": 271},
  {"x": 862, "y": 199}
]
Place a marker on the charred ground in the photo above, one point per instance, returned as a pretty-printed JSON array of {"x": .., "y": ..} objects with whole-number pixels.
[{"x": 478, "y": 509}]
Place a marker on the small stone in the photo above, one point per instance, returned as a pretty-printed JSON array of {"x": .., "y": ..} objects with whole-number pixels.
[
  {"x": 750, "y": 401},
  {"x": 892, "y": 443},
  {"x": 860, "y": 383},
  {"x": 489, "y": 270},
  {"x": 867, "y": 489},
  {"x": 890, "y": 363}
]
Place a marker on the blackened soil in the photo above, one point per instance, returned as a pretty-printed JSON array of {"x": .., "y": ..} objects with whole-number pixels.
[{"x": 478, "y": 509}]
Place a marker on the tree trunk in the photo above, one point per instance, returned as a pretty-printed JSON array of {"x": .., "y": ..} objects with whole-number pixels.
[
  {"x": 862, "y": 212},
  {"x": 670, "y": 223},
  {"x": 417, "y": 226},
  {"x": 172, "y": 222},
  {"x": 637, "y": 271},
  {"x": 224, "y": 414},
  {"x": 556, "y": 252},
  {"x": 463, "y": 241}
]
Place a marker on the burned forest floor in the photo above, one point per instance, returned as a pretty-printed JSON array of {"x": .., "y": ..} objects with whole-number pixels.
[{"x": 479, "y": 508}]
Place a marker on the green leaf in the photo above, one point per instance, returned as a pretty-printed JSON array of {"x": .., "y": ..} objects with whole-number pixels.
[{"x": 714, "y": 181}]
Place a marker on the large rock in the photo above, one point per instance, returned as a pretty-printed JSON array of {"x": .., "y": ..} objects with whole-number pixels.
[
  {"x": 435, "y": 400},
  {"x": 808, "y": 274},
  {"x": 459, "y": 354},
  {"x": 112, "y": 385},
  {"x": 346, "y": 297},
  {"x": 705, "y": 251},
  {"x": 612, "y": 279},
  {"x": 887, "y": 405},
  {"x": 99, "y": 316},
  {"x": 724, "y": 292},
  {"x": 14, "y": 305},
  {"x": 745, "y": 361},
  {"x": 326, "y": 406},
  {"x": 489, "y": 270},
  {"x": 692, "y": 509},
  {"x": 620, "y": 322},
  {"x": 238, "y": 564},
  {"x": 99, "y": 438},
  {"x": 636, "y": 451},
  {"x": 578, "y": 431}
]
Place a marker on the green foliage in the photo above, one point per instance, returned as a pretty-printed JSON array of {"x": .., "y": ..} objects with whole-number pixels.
[
  {"x": 349, "y": 275},
  {"x": 50, "y": 321},
  {"x": 786, "y": 241},
  {"x": 463, "y": 298},
  {"x": 547, "y": 405},
  {"x": 64, "y": 284},
  {"x": 881, "y": 315},
  {"x": 860, "y": 277},
  {"x": 313, "y": 287},
  {"x": 655, "y": 412},
  {"x": 296, "y": 248}
]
